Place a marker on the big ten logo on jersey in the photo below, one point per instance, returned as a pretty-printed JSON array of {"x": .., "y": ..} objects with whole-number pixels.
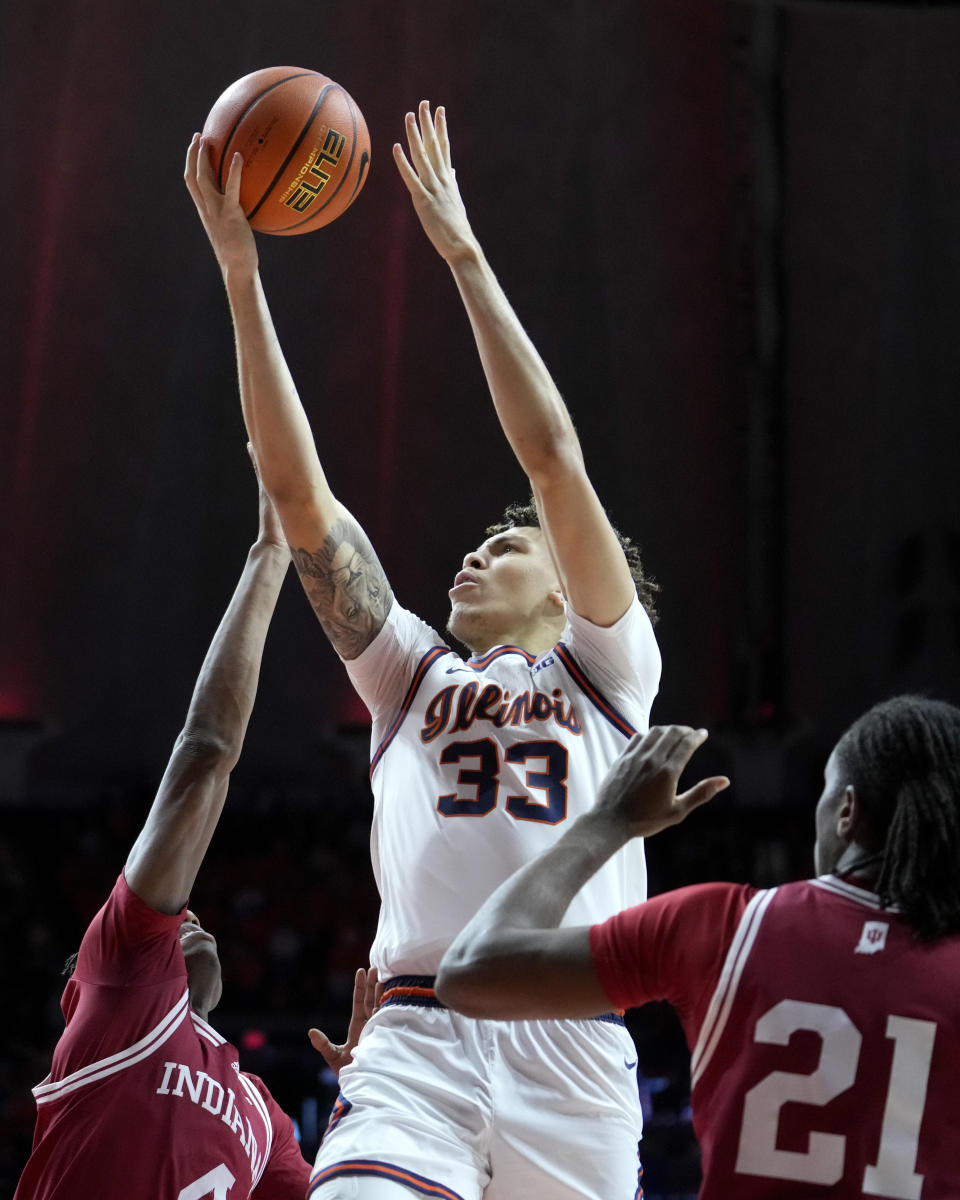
[{"x": 313, "y": 177}]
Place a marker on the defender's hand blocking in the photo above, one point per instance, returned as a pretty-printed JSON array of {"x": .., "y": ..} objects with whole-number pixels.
[
  {"x": 640, "y": 788},
  {"x": 227, "y": 228},
  {"x": 366, "y": 994},
  {"x": 432, "y": 182}
]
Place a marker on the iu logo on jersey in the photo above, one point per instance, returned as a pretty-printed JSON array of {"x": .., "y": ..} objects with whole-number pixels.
[{"x": 873, "y": 938}]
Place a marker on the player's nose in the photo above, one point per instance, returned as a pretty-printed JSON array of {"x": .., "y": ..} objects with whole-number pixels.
[{"x": 474, "y": 561}]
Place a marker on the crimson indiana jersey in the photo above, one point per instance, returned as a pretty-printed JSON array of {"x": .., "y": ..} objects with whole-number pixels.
[
  {"x": 825, "y": 1039},
  {"x": 144, "y": 1098}
]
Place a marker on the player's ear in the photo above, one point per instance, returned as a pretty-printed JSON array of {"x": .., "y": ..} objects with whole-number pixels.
[{"x": 849, "y": 814}]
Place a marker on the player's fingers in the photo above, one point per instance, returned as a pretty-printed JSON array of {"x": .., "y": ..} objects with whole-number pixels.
[
  {"x": 418, "y": 155},
  {"x": 407, "y": 173},
  {"x": 700, "y": 793},
  {"x": 358, "y": 1015},
  {"x": 641, "y": 745},
  {"x": 443, "y": 137},
  {"x": 322, "y": 1044},
  {"x": 678, "y": 745},
  {"x": 190, "y": 166},
  {"x": 205, "y": 182},
  {"x": 191, "y": 178},
  {"x": 637, "y": 759},
  {"x": 370, "y": 992},
  {"x": 428, "y": 135},
  {"x": 232, "y": 190}
]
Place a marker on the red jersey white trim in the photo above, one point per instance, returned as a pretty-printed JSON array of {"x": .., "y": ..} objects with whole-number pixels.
[
  {"x": 257, "y": 1100},
  {"x": 726, "y": 990},
  {"x": 45, "y": 1092},
  {"x": 830, "y": 883},
  {"x": 207, "y": 1031}
]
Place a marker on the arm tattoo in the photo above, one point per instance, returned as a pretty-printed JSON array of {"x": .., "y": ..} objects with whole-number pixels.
[{"x": 346, "y": 586}]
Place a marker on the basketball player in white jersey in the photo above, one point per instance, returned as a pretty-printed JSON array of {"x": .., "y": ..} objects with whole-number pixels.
[
  {"x": 822, "y": 1016},
  {"x": 477, "y": 762}
]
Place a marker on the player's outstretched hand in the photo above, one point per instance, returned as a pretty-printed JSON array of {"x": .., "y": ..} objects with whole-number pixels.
[
  {"x": 432, "y": 182},
  {"x": 641, "y": 787},
  {"x": 366, "y": 993},
  {"x": 227, "y": 228}
]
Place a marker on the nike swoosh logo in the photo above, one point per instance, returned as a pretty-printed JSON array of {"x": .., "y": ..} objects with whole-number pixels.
[
  {"x": 631, "y": 1066},
  {"x": 453, "y": 670}
]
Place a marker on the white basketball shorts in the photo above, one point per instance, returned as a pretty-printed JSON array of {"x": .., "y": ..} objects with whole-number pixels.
[{"x": 458, "y": 1109}]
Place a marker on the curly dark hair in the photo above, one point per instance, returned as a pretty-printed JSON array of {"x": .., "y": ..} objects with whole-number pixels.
[
  {"x": 525, "y": 513},
  {"x": 903, "y": 759}
]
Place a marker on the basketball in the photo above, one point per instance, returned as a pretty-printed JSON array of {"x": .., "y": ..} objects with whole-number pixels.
[{"x": 305, "y": 148}]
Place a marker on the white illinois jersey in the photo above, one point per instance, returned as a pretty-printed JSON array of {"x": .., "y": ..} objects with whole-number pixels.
[{"x": 478, "y": 764}]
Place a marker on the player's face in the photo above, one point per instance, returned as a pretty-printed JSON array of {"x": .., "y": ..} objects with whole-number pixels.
[
  {"x": 204, "y": 979},
  {"x": 507, "y": 592},
  {"x": 829, "y": 845}
]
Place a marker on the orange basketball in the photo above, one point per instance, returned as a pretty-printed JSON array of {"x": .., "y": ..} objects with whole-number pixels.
[{"x": 305, "y": 147}]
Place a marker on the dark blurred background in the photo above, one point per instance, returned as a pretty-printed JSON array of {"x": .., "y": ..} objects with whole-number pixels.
[{"x": 731, "y": 230}]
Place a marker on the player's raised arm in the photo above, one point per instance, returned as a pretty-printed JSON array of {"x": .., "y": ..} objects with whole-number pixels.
[
  {"x": 511, "y": 961},
  {"x": 593, "y": 571},
  {"x": 164, "y": 860},
  {"x": 338, "y": 567}
]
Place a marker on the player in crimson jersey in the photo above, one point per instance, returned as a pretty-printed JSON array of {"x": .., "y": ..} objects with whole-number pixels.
[
  {"x": 478, "y": 761},
  {"x": 144, "y": 1097},
  {"x": 822, "y": 1016}
]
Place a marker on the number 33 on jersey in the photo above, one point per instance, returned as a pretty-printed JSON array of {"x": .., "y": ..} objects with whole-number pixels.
[{"x": 477, "y": 764}]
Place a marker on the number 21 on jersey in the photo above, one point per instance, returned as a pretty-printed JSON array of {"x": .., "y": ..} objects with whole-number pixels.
[{"x": 893, "y": 1174}]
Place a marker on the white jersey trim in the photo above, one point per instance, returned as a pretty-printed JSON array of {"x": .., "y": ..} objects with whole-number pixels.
[
  {"x": 839, "y": 887},
  {"x": 44, "y": 1093},
  {"x": 722, "y": 1000},
  {"x": 207, "y": 1031},
  {"x": 593, "y": 693},
  {"x": 260, "y": 1105}
]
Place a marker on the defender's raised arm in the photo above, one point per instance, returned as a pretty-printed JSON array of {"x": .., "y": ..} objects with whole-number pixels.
[{"x": 164, "y": 860}]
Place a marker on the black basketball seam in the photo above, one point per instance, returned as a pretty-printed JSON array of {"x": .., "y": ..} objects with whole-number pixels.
[
  {"x": 343, "y": 179},
  {"x": 293, "y": 149},
  {"x": 364, "y": 163},
  {"x": 256, "y": 100}
]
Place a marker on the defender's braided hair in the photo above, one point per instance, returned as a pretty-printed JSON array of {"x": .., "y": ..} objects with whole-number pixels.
[
  {"x": 519, "y": 514},
  {"x": 903, "y": 759}
]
